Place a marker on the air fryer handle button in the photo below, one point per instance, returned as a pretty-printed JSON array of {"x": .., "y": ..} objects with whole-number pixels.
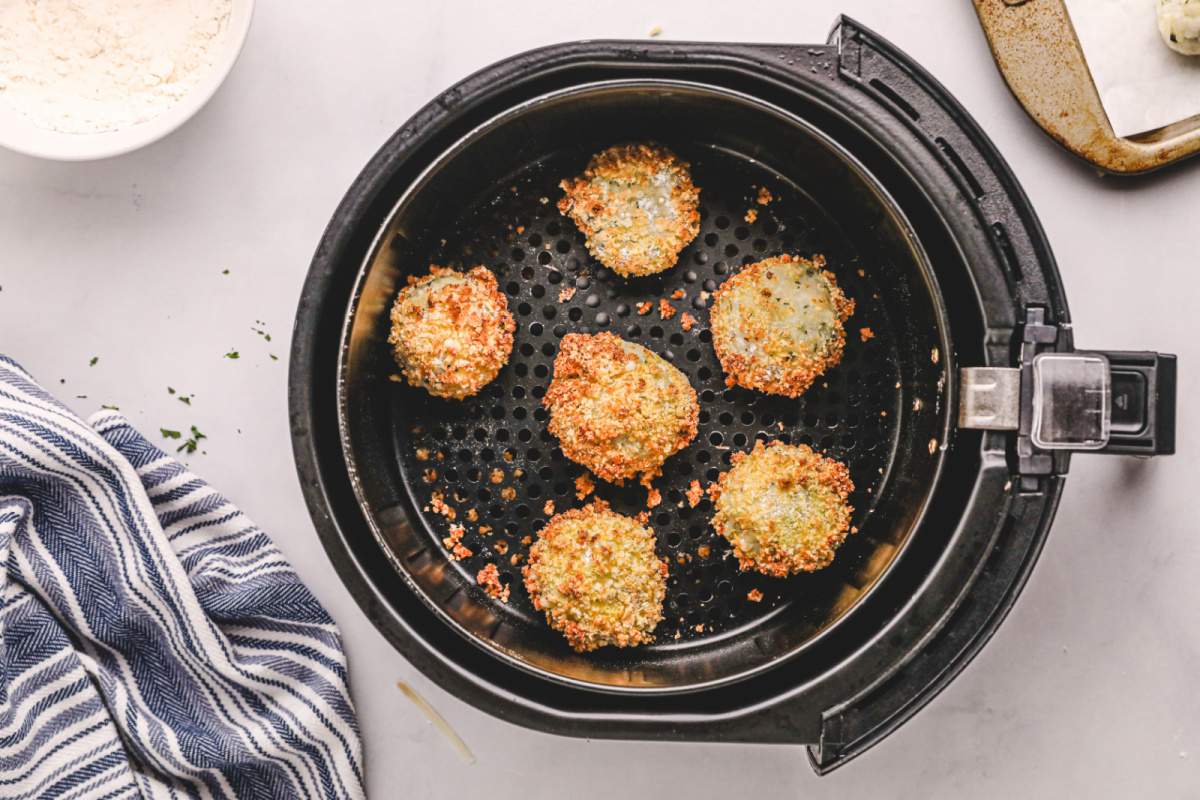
[
  {"x": 1142, "y": 403},
  {"x": 1128, "y": 401}
]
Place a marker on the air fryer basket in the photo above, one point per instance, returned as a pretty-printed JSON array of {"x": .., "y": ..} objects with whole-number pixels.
[
  {"x": 491, "y": 200},
  {"x": 875, "y": 165}
]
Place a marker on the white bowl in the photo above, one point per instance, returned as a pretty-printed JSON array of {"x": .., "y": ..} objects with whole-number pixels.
[{"x": 17, "y": 132}]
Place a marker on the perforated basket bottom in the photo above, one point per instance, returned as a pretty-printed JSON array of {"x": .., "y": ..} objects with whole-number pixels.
[{"x": 493, "y": 454}]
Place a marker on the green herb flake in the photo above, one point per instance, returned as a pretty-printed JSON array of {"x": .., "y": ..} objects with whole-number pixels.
[
  {"x": 224, "y": 272},
  {"x": 189, "y": 446},
  {"x": 233, "y": 354},
  {"x": 92, "y": 363},
  {"x": 273, "y": 356},
  {"x": 170, "y": 434},
  {"x": 170, "y": 390}
]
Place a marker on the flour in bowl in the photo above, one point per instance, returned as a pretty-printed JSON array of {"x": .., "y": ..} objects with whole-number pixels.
[{"x": 86, "y": 66}]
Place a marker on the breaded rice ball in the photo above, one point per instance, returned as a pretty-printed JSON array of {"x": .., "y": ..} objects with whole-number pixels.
[
  {"x": 783, "y": 508},
  {"x": 596, "y": 576},
  {"x": 637, "y": 205},
  {"x": 617, "y": 408},
  {"x": 777, "y": 324},
  {"x": 451, "y": 331}
]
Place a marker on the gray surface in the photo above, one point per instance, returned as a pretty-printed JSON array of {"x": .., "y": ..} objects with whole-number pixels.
[{"x": 1088, "y": 688}]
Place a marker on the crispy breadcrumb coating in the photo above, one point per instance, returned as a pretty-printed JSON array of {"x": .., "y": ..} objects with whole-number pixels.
[
  {"x": 617, "y": 408},
  {"x": 597, "y": 578},
  {"x": 451, "y": 331},
  {"x": 778, "y": 324},
  {"x": 784, "y": 508},
  {"x": 637, "y": 206}
]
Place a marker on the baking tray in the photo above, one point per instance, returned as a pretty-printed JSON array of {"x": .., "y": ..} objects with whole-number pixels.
[{"x": 1038, "y": 53}]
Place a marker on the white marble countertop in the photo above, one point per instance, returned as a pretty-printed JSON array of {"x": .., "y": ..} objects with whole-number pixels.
[{"x": 1088, "y": 689}]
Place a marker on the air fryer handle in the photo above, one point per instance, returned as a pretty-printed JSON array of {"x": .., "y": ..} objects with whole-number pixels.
[{"x": 1141, "y": 403}]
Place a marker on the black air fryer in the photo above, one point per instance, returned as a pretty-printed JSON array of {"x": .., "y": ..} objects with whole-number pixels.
[{"x": 957, "y": 413}]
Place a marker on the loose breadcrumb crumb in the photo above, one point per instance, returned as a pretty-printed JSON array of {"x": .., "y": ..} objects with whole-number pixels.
[
  {"x": 714, "y": 490},
  {"x": 653, "y": 498},
  {"x": 508, "y": 456},
  {"x": 665, "y": 309},
  {"x": 694, "y": 493},
  {"x": 643, "y": 517},
  {"x": 438, "y": 503},
  {"x": 584, "y": 485},
  {"x": 485, "y": 530},
  {"x": 472, "y": 515},
  {"x": 429, "y": 475},
  {"x": 422, "y": 454},
  {"x": 751, "y": 215},
  {"x": 678, "y": 294},
  {"x": 687, "y": 322},
  {"x": 566, "y": 293},
  {"x": 704, "y": 551},
  {"x": 489, "y": 579},
  {"x": 508, "y": 494},
  {"x": 754, "y": 596},
  {"x": 500, "y": 546},
  {"x": 497, "y": 476},
  {"x": 656, "y": 31},
  {"x": 764, "y": 196},
  {"x": 866, "y": 334},
  {"x": 699, "y": 628},
  {"x": 548, "y": 508},
  {"x": 453, "y": 543},
  {"x": 526, "y": 540},
  {"x": 644, "y": 307},
  {"x": 515, "y": 558}
]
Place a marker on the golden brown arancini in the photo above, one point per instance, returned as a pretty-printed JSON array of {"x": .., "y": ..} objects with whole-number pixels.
[
  {"x": 596, "y": 576},
  {"x": 451, "y": 331},
  {"x": 637, "y": 205},
  {"x": 783, "y": 508},
  {"x": 617, "y": 408},
  {"x": 778, "y": 324}
]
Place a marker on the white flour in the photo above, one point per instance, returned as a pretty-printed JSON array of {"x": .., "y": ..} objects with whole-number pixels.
[{"x": 84, "y": 66}]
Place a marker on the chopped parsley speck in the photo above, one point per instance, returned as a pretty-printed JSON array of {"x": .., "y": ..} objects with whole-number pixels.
[
  {"x": 92, "y": 363},
  {"x": 170, "y": 434},
  {"x": 186, "y": 399},
  {"x": 273, "y": 356},
  {"x": 224, "y": 272},
  {"x": 232, "y": 354},
  {"x": 170, "y": 390},
  {"x": 192, "y": 442}
]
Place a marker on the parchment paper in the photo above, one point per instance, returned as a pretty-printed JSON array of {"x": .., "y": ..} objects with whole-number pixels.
[{"x": 1143, "y": 84}]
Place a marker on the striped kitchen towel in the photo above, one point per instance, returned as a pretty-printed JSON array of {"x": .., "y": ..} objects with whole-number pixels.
[{"x": 153, "y": 642}]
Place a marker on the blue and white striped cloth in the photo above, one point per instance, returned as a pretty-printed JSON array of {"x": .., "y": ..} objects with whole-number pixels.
[{"x": 154, "y": 643}]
